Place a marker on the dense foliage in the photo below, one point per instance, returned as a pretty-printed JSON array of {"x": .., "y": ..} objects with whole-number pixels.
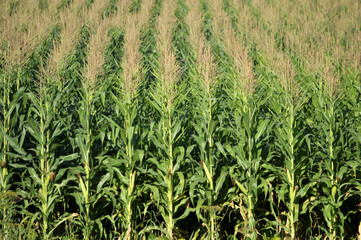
[{"x": 180, "y": 119}]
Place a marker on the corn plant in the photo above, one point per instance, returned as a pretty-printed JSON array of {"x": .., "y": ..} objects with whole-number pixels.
[
  {"x": 332, "y": 170},
  {"x": 10, "y": 139},
  {"x": 125, "y": 133},
  {"x": 249, "y": 139},
  {"x": 45, "y": 128},
  {"x": 84, "y": 142},
  {"x": 9, "y": 104},
  {"x": 290, "y": 138},
  {"x": 242, "y": 105},
  {"x": 166, "y": 135},
  {"x": 89, "y": 132},
  {"x": 355, "y": 138},
  {"x": 69, "y": 85},
  {"x": 10, "y": 99},
  {"x": 90, "y": 175},
  {"x": 126, "y": 161},
  {"x": 169, "y": 159},
  {"x": 205, "y": 125},
  {"x": 180, "y": 119}
]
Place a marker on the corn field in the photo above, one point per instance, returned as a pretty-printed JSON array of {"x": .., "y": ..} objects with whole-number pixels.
[{"x": 180, "y": 119}]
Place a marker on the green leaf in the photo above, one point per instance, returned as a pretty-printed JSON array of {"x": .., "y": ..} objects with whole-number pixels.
[
  {"x": 102, "y": 181},
  {"x": 262, "y": 126},
  {"x": 220, "y": 181},
  {"x": 34, "y": 176}
]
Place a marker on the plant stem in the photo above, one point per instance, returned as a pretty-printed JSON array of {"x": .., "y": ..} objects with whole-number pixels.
[
  {"x": 5, "y": 173},
  {"x": 88, "y": 99},
  {"x": 129, "y": 152},
  {"x": 44, "y": 163},
  {"x": 210, "y": 167},
  {"x": 292, "y": 174},
  {"x": 170, "y": 175},
  {"x": 332, "y": 230}
]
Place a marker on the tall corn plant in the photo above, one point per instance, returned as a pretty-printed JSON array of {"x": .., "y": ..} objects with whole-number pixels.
[
  {"x": 333, "y": 171},
  {"x": 246, "y": 146},
  {"x": 269, "y": 170},
  {"x": 92, "y": 174},
  {"x": 45, "y": 127},
  {"x": 354, "y": 130},
  {"x": 11, "y": 140},
  {"x": 84, "y": 140},
  {"x": 12, "y": 133},
  {"x": 68, "y": 81},
  {"x": 9, "y": 113},
  {"x": 90, "y": 135},
  {"x": 168, "y": 159},
  {"x": 290, "y": 171},
  {"x": 242, "y": 106},
  {"x": 207, "y": 177},
  {"x": 205, "y": 125},
  {"x": 12, "y": 99},
  {"x": 249, "y": 136},
  {"x": 64, "y": 82},
  {"x": 126, "y": 137},
  {"x": 351, "y": 150},
  {"x": 125, "y": 132}
]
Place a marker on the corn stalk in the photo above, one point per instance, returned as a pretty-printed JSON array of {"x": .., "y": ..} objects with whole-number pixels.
[
  {"x": 92, "y": 173},
  {"x": 249, "y": 138},
  {"x": 332, "y": 169},
  {"x": 84, "y": 142},
  {"x": 45, "y": 128},
  {"x": 205, "y": 126},
  {"x": 168, "y": 160},
  {"x": 290, "y": 138},
  {"x": 10, "y": 118},
  {"x": 166, "y": 136},
  {"x": 126, "y": 137}
]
